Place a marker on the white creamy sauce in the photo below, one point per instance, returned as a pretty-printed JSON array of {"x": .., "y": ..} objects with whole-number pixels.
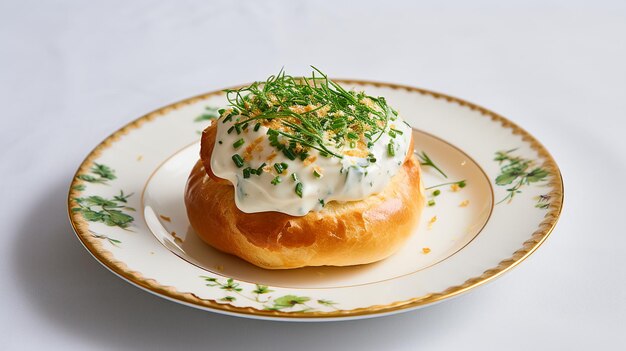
[{"x": 347, "y": 179}]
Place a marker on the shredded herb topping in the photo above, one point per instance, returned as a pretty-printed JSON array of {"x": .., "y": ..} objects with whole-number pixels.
[{"x": 310, "y": 113}]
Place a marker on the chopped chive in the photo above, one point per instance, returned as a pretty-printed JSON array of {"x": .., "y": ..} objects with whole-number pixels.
[
  {"x": 431, "y": 203},
  {"x": 352, "y": 144},
  {"x": 303, "y": 156},
  {"x": 238, "y": 143},
  {"x": 390, "y": 150},
  {"x": 321, "y": 201},
  {"x": 228, "y": 118},
  {"x": 276, "y": 180},
  {"x": 219, "y": 142},
  {"x": 395, "y": 113},
  {"x": 289, "y": 153},
  {"x": 238, "y": 128},
  {"x": 398, "y": 131},
  {"x": 369, "y": 144},
  {"x": 259, "y": 170},
  {"x": 278, "y": 167},
  {"x": 294, "y": 177},
  {"x": 244, "y": 126},
  {"x": 392, "y": 133},
  {"x": 299, "y": 189},
  {"x": 221, "y": 111},
  {"x": 338, "y": 124},
  {"x": 352, "y": 135},
  {"x": 317, "y": 174},
  {"x": 246, "y": 172},
  {"x": 274, "y": 141},
  {"x": 372, "y": 159},
  {"x": 257, "y": 126},
  {"x": 285, "y": 166},
  {"x": 238, "y": 160},
  {"x": 436, "y": 192},
  {"x": 230, "y": 129},
  {"x": 462, "y": 184}
]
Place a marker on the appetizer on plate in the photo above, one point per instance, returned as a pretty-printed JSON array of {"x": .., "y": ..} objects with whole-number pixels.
[{"x": 300, "y": 172}]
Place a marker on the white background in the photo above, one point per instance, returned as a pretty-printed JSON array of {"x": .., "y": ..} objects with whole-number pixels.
[{"x": 73, "y": 72}]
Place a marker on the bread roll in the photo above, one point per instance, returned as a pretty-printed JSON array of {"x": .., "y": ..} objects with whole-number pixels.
[{"x": 341, "y": 234}]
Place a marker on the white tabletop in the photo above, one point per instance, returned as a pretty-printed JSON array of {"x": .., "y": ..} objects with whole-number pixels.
[{"x": 73, "y": 72}]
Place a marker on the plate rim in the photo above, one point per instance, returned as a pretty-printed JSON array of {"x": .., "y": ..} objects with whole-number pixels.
[{"x": 536, "y": 239}]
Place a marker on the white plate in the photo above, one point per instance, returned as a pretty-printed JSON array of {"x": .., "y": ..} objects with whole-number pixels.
[{"x": 126, "y": 206}]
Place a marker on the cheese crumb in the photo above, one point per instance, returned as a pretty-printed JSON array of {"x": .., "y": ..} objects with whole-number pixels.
[
  {"x": 177, "y": 239},
  {"x": 431, "y": 222},
  {"x": 165, "y": 218},
  {"x": 309, "y": 160},
  {"x": 455, "y": 187},
  {"x": 425, "y": 250},
  {"x": 464, "y": 203},
  {"x": 271, "y": 156}
]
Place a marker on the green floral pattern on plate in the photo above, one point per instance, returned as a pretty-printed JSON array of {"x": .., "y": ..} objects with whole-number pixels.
[
  {"x": 94, "y": 208},
  {"x": 108, "y": 211},
  {"x": 285, "y": 303},
  {"x": 100, "y": 174},
  {"x": 516, "y": 172}
]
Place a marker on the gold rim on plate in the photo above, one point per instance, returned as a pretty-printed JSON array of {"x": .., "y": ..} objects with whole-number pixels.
[{"x": 94, "y": 246}]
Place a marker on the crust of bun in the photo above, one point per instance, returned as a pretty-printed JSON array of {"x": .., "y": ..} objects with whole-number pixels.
[{"x": 341, "y": 234}]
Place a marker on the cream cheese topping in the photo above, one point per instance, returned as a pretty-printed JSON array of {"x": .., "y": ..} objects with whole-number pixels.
[{"x": 354, "y": 177}]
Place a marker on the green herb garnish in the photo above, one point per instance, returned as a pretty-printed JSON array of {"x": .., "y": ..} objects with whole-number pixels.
[
  {"x": 426, "y": 161},
  {"x": 238, "y": 160},
  {"x": 390, "y": 149},
  {"x": 459, "y": 183},
  {"x": 276, "y": 180},
  {"x": 299, "y": 189},
  {"x": 279, "y": 167},
  {"x": 312, "y": 113},
  {"x": 238, "y": 143}
]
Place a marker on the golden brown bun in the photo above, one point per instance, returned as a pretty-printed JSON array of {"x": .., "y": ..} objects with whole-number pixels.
[{"x": 341, "y": 234}]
